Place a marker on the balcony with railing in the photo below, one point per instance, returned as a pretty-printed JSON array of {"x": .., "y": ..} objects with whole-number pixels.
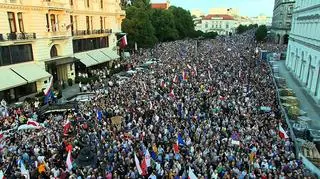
[
  {"x": 17, "y": 36},
  {"x": 91, "y": 32}
]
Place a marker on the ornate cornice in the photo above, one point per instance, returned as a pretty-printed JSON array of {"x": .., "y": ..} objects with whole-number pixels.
[{"x": 21, "y": 7}]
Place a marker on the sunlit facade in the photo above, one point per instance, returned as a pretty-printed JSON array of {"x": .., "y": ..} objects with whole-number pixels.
[{"x": 46, "y": 38}]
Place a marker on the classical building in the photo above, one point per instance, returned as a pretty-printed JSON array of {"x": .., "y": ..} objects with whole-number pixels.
[
  {"x": 39, "y": 40},
  {"x": 303, "y": 54},
  {"x": 281, "y": 20},
  {"x": 223, "y": 24},
  {"x": 261, "y": 20}
]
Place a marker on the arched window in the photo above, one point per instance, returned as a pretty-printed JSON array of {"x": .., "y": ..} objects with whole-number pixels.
[{"x": 53, "y": 51}]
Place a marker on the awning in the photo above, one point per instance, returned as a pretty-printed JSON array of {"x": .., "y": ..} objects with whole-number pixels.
[
  {"x": 31, "y": 72},
  {"x": 86, "y": 59},
  {"x": 10, "y": 79},
  {"x": 110, "y": 53},
  {"x": 98, "y": 56}
]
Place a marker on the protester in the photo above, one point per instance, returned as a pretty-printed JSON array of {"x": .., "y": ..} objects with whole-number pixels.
[{"x": 196, "y": 112}]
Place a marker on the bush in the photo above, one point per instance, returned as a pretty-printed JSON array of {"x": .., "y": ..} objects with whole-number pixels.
[{"x": 70, "y": 82}]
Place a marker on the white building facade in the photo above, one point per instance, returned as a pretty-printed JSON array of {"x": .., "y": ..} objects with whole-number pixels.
[
  {"x": 220, "y": 23},
  {"x": 303, "y": 55}
]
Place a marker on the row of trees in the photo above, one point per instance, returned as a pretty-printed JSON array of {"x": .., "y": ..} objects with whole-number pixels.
[
  {"x": 243, "y": 28},
  {"x": 260, "y": 34},
  {"x": 146, "y": 26}
]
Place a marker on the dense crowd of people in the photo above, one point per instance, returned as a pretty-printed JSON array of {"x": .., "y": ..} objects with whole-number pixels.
[{"x": 197, "y": 110}]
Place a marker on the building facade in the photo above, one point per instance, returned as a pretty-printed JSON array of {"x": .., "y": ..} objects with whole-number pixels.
[
  {"x": 221, "y": 23},
  {"x": 281, "y": 20},
  {"x": 40, "y": 39},
  {"x": 261, "y": 20},
  {"x": 303, "y": 54}
]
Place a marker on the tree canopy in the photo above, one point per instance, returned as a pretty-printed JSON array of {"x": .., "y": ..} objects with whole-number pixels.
[
  {"x": 146, "y": 26},
  {"x": 242, "y": 28},
  {"x": 261, "y": 33}
]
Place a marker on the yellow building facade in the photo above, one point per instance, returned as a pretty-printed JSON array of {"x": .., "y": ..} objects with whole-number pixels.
[{"x": 48, "y": 38}]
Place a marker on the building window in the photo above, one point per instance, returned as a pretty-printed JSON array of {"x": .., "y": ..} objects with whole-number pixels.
[
  {"x": 12, "y": 22},
  {"x": 53, "y": 51},
  {"x": 76, "y": 22},
  {"x": 71, "y": 23},
  {"x": 81, "y": 45},
  {"x": 227, "y": 25},
  {"x": 88, "y": 3},
  {"x": 15, "y": 54},
  {"x": 53, "y": 22},
  {"x": 88, "y": 23},
  {"x": 101, "y": 4},
  {"x": 71, "y": 2},
  {"x": 48, "y": 26},
  {"x": 101, "y": 23},
  {"x": 20, "y": 21}
]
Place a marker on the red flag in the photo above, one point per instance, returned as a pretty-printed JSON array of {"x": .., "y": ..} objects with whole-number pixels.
[
  {"x": 176, "y": 147},
  {"x": 162, "y": 84},
  {"x": 124, "y": 42},
  {"x": 184, "y": 75},
  {"x": 171, "y": 94},
  {"x": 66, "y": 127},
  {"x": 144, "y": 167}
]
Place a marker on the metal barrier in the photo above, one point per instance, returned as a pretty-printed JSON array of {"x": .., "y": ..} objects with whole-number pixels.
[{"x": 284, "y": 113}]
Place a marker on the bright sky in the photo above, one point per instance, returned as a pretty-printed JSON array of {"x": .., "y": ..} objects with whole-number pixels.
[{"x": 246, "y": 7}]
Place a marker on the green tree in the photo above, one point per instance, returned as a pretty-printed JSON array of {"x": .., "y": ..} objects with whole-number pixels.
[
  {"x": 261, "y": 33},
  {"x": 138, "y": 26},
  {"x": 163, "y": 22},
  {"x": 241, "y": 28},
  {"x": 183, "y": 22},
  {"x": 210, "y": 35}
]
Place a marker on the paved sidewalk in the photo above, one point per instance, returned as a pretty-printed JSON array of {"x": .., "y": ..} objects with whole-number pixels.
[{"x": 307, "y": 103}]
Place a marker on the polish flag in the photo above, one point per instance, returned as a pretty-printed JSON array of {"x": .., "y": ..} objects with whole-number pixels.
[
  {"x": 282, "y": 133},
  {"x": 162, "y": 84},
  {"x": 209, "y": 75},
  {"x": 188, "y": 66},
  {"x": 176, "y": 147},
  {"x": 175, "y": 79},
  {"x": 33, "y": 123},
  {"x": 184, "y": 75},
  {"x": 195, "y": 70},
  {"x": 147, "y": 158},
  {"x": 137, "y": 164},
  {"x": 171, "y": 94},
  {"x": 69, "y": 161},
  {"x": 191, "y": 175}
]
